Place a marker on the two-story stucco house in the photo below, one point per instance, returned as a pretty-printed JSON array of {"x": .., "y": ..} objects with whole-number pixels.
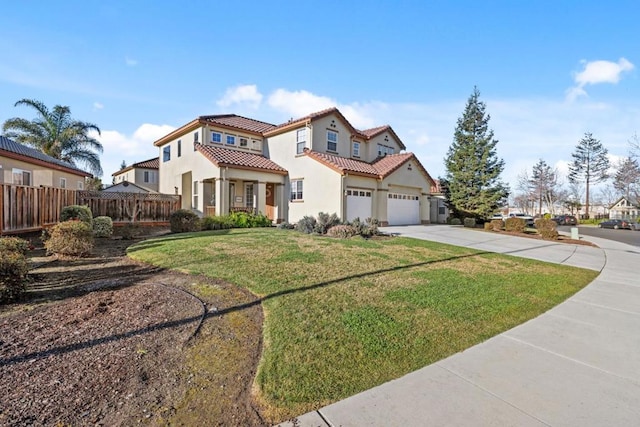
[
  {"x": 24, "y": 165},
  {"x": 318, "y": 163},
  {"x": 143, "y": 174}
]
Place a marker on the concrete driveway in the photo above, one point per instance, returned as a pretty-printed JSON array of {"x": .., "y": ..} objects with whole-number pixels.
[{"x": 576, "y": 365}]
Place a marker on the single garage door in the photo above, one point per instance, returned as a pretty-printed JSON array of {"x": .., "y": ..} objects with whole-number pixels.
[
  {"x": 403, "y": 209},
  {"x": 358, "y": 204}
]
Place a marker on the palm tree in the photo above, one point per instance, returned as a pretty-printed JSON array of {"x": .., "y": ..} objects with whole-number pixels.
[{"x": 56, "y": 134}]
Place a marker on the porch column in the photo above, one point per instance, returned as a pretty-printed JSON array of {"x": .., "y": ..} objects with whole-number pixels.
[
  {"x": 280, "y": 200},
  {"x": 222, "y": 196},
  {"x": 383, "y": 194},
  {"x": 261, "y": 197}
]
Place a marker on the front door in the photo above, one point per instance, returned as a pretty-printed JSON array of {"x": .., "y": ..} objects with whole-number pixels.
[{"x": 270, "y": 202}]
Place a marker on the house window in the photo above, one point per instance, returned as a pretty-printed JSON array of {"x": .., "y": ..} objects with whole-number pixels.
[
  {"x": 296, "y": 189},
  {"x": 166, "y": 153},
  {"x": 243, "y": 142},
  {"x": 21, "y": 177},
  {"x": 216, "y": 137},
  {"x": 384, "y": 150},
  {"x": 301, "y": 140},
  {"x": 179, "y": 148},
  {"x": 195, "y": 137},
  {"x": 146, "y": 176},
  {"x": 80, "y": 185},
  {"x": 441, "y": 210},
  {"x": 231, "y": 140},
  {"x": 63, "y": 182},
  {"x": 332, "y": 140},
  {"x": 195, "y": 195},
  {"x": 356, "y": 149}
]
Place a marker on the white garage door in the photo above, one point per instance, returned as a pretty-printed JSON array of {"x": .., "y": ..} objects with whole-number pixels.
[
  {"x": 358, "y": 204},
  {"x": 403, "y": 209}
]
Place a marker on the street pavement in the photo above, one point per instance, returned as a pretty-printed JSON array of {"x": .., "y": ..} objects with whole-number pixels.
[{"x": 578, "y": 364}]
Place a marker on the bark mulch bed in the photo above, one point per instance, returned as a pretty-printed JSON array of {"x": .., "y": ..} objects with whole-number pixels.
[{"x": 107, "y": 341}]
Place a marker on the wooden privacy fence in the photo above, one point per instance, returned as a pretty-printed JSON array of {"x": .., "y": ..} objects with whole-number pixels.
[{"x": 25, "y": 208}]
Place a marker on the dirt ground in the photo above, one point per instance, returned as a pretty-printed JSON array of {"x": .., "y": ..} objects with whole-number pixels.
[{"x": 106, "y": 341}]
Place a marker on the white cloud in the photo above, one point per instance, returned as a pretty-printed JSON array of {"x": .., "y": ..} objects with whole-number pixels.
[
  {"x": 596, "y": 72},
  {"x": 130, "y": 62},
  {"x": 247, "y": 95},
  {"x": 130, "y": 148},
  {"x": 98, "y": 106}
]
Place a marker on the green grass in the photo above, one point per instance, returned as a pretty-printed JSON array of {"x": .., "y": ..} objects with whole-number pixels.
[{"x": 342, "y": 316}]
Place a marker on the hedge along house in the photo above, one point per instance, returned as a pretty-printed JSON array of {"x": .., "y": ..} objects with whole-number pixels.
[
  {"x": 316, "y": 163},
  {"x": 23, "y": 165}
]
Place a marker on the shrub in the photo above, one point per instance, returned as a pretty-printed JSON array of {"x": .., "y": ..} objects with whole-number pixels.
[
  {"x": 14, "y": 244},
  {"x": 470, "y": 222},
  {"x": 325, "y": 222},
  {"x": 184, "y": 221},
  {"x": 547, "y": 229},
  {"x": 286, "y": 226},
  {"x": 216, "y": 222},
  {"x": 77, "y": 212},
  {"x": 488, "y": 226},
  {"x": 102, "y": 226},
  {"x": 13, "y": 268},
  {"x": 129, "y": 231},
  {"x": 455, "y": 221},
  {"x": 514, "y": 224},
  {"x": 73, "y": 238},
  {"x": 342, "y": 231},
  {"x": 497, "y": 224},
  {"x": 306, "y": 225}
]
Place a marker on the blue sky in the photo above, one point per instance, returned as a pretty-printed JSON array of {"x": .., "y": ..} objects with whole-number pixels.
[{"x": 549, "y": 71}]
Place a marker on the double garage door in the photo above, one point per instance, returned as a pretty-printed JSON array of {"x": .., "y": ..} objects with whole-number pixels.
[{"x": 403, "y": 209}]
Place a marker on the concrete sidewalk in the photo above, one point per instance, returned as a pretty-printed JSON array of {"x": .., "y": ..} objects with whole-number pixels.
[{"x": 576, "y": 365}]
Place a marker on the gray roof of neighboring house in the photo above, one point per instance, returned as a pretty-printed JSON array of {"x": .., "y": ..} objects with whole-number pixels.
[{"x": 11, "y": 146}]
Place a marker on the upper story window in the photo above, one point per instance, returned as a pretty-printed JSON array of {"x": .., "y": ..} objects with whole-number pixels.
[
  {"x": 383, "y": 150},
  {"x": 301, "y": 140},
  {"x": 195, "y": 137},
  {"x": 80, "y": 185},
  {"x": 63, "y": 182},
  {"x": 356, "y": 149},
  {"x": 216, "y": 137},
  {"x": 146, "y": 176},
  {"x": 332, "y": 140},
  {"x": 296, "y": 189},
  {"x": 243, "y": 142},
  {"x": 231, "y": 140},
  {"x": 21, "y": 177},
  {"x": 179, "y": 148},
  {"x": 166, "y": 153}
]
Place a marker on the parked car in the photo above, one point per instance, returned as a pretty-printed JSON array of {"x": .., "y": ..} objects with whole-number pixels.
[
  {"x": 616, "y": 224},
  {"x": 565, "y": 220},
  {"x": 528, "y": 220}
]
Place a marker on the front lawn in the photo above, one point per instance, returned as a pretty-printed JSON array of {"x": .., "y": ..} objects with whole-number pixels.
[{"x": 342, "y": 316}]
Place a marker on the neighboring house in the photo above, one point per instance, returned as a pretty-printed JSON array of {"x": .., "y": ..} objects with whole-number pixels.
[
  {"x": 625, "y": 208},
  {"x": 439, "y": 208},
  {"x": 24, "y": 165},
  {"x": 128, "y": 187},
  {"x": 318, "y": 163},
  {"x": 142, "y": 173}
]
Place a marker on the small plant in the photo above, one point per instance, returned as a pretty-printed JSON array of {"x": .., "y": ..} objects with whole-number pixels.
[
  {"x": 547, "y": 229},
  {"x": 129, "y": 231},
  {"x": 71, "y": 238},
  {"x": 14, "y": 244},
  {"x": 470, "y": 222},
  {"x": 102, "y": 226},
  {"x": 342, "y": 231},
  {"x": 286, "y": 226},
  {"x": 488, "y": 226},
  {"x": 456, "y": 221},
  {"x": 77, "y": 212},
  {"x": 325, "y": 222},
  {"x": 496, "y": 224},
  {"x": 184, "y": 221},
  {"x": 216, "y": 223},
  {"x": 515, "y": 224},
  {"x": 13, "y": 274},
  {"x": 306, "y": 225}
]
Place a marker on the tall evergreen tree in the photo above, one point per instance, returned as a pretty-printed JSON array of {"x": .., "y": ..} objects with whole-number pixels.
[
  {"x": 590, "y": 164},
  {"x": 56, "y": 134},
  {"x": 627, "y": 177},
  {"x": 472, "y": 185}
]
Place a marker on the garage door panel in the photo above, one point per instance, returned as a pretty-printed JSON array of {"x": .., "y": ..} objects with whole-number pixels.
[
  {"x": 358, "y": 204},
  {"x": 403, "y": 209}
]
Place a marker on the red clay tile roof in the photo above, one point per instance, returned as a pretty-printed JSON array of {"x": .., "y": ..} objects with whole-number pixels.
[
  {"x": 238, "y": 122},
  {"x": 31, "y": 155},
  {"x": 145, "y": 164},
  {"x": 380, "y": 168},
  {"x": 370, "y": 133},
  {"x": 221, "y": 156},
  {"x": 311, "y": 117}
]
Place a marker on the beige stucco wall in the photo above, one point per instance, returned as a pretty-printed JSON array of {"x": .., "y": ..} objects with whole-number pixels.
[
  {"x": 40, "y": 175},
  {"x": 319, "y": 128},
  {"x": 254, "y": 142},
  {"x": 372, "y": 145},
  {"x": 407, "y": 181}
]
